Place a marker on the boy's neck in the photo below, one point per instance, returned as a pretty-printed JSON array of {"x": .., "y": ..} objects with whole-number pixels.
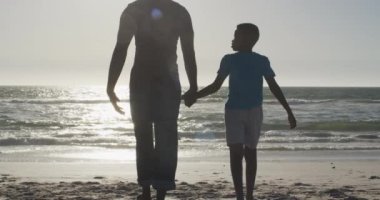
[{"x": 245, "y": 51}]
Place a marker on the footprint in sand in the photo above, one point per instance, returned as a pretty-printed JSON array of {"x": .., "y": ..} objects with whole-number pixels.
[{"x": 374, "y": 177}]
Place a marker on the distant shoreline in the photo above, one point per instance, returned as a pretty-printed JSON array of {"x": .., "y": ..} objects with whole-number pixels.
[{"x": 200, "y": 86}]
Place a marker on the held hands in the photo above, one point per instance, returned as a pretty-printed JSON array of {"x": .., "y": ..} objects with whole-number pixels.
[
  {"x": 190, "y": 98},
  {"x": 114, "y": 99}
]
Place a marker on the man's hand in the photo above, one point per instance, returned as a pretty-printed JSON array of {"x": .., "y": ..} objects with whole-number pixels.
[
  {"x": 114, "y": 99},
  {"x": 190, "y": 97},
  {"x": 292, "y": 121}
]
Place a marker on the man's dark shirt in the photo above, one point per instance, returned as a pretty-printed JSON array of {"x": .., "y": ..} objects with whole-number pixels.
[{"x": 159, "y": 24}]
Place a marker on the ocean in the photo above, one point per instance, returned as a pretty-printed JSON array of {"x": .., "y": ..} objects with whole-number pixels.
[{"x": 65, "y": 123}]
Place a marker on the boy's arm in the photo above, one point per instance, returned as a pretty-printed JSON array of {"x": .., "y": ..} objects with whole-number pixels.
[
  {"x": 213, "y": 87},
  {"x": 277, "y": 92},
  {"x": 223, "y": 72}
]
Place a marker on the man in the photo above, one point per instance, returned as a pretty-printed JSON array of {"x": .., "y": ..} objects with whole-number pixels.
[{"x": 155, "y": 91}]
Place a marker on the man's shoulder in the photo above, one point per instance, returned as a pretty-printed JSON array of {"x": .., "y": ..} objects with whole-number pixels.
[
  {"x": 136, "y": 4},
  {"x": 135, "y": 7},
  {"x": 176, "y": 4},
  {"x": 180, "y": 10},
  {"x": 147, "y": 2},
  {"x": 141, "y": 4}
]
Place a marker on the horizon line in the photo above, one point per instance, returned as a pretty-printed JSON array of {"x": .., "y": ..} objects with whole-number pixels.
[{"x": 183, "y": 86}]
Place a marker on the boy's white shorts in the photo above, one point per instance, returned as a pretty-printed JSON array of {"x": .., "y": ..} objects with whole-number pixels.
[{"x": 243, "y": 126}]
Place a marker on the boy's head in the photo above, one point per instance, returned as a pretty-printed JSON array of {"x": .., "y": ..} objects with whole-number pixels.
[{"x": 246, "y": 36}]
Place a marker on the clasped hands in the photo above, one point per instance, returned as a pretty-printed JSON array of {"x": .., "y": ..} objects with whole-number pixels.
[{"x": 190, "y": 97}]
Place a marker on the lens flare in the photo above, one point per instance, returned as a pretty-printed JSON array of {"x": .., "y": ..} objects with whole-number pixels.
[{"x": 156, "y": 14}]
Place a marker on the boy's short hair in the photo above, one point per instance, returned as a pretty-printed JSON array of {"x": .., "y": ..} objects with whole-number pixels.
[{"x": 250, "y": 30}]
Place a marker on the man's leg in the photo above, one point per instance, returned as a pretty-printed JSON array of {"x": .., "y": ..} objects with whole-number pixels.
[
  {"x": 144, "y": 156},
  {"x": 236, "y": 159},
  {"x": 161, "y": 194},
  {"x": 166, "y": 148},
  {"x": 251, "y": 168}
]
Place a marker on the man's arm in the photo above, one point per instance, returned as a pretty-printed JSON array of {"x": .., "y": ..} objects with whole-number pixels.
[
  {"x": 187, "y": 44},
  {"x": 126, "y": 31},
  {"x": 277, "y": 92}
]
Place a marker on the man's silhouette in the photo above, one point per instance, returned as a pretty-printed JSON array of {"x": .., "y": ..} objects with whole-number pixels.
[{"x": 155, "y": 91}]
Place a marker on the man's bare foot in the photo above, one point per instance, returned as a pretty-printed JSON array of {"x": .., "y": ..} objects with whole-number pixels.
[
  {"x": 145, "y": 194},
  {"x": 161, "y": 194},
  {"x": 141, "y": 197}
]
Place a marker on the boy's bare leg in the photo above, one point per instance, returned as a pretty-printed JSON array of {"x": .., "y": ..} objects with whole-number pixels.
[
  {"x": 236, "y": 159},
  {"x": 251, "y": 168},
  {"x": 161, "y": 194}
]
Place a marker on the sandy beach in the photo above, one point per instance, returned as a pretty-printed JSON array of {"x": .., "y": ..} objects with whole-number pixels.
[{"x": 280, "y": 176}]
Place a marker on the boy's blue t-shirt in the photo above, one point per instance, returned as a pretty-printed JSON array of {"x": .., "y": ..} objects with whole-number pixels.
[{"x": 246, "y": 71}]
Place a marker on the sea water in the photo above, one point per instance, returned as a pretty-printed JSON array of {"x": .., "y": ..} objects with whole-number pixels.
[{"x": 69, "y": 122}]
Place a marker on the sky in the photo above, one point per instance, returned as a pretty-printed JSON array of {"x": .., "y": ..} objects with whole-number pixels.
[{"x": 309, "y": 43}]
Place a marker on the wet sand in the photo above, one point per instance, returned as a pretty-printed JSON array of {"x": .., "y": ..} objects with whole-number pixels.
[{"x": 346, "y": 180}]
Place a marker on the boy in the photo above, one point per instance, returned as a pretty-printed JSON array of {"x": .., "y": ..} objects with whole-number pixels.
[{"x": 243, "y": 110}]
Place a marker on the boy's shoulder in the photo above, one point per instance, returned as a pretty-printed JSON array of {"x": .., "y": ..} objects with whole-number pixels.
[
  {"x": 239, "y": 54},
  {"x": 259, "y": 55}
]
